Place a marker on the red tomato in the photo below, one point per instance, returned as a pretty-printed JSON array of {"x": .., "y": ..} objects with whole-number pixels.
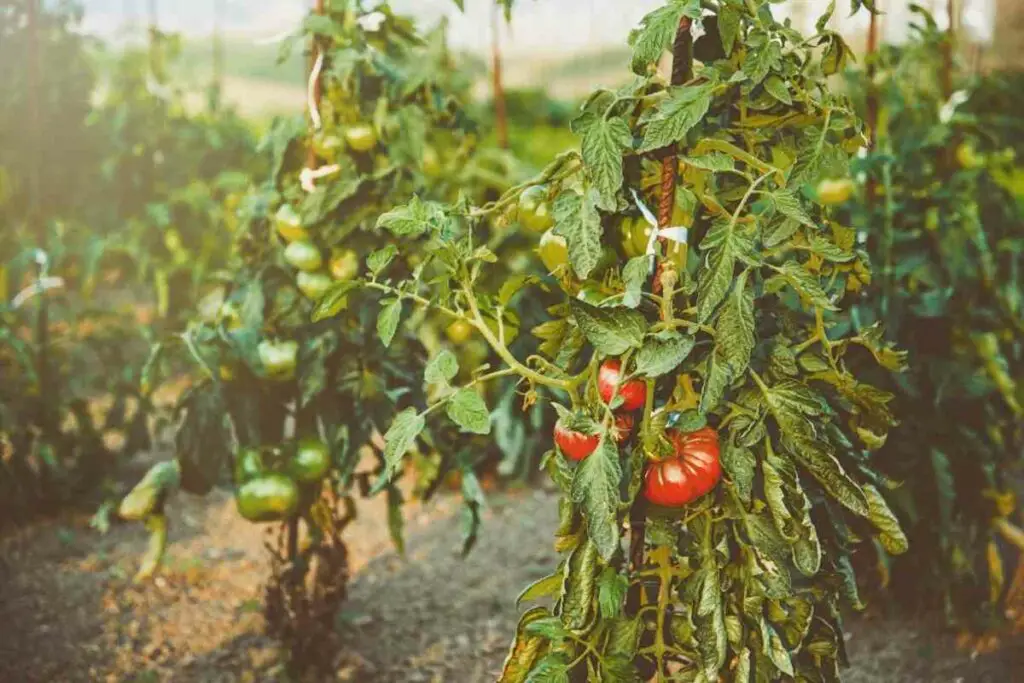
[
  {"x": 623, "y": 426},
  {"x": 689, "y": 474},
  {"x": 633, "y": 392},
  {"x": 575, "y": 445}
]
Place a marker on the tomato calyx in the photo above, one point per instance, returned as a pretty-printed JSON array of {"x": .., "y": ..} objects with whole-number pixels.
[{"x": 610, "y": 385}]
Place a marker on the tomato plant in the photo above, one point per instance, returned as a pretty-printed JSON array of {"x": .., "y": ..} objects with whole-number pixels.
[
  {"x": 302, "y": 401},
  {"x": 748, "y": 576},
  {"x": 940, "y": 206}
]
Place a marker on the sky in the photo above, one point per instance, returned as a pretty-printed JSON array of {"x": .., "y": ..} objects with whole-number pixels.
[{"x": 538, "y": 26}]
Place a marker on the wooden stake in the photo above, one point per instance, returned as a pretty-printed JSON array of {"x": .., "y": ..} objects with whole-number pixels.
[{"x": 500, "y": 114}]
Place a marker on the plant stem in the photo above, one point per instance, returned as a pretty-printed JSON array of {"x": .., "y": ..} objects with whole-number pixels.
[{"x": 469, "y": 385}]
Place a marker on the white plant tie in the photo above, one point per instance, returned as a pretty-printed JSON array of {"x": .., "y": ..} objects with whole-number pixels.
[
  {"x": 314, "y": 77},
  {"x": 672, "y": 233},
  {"x": 40, "y": 286},
  {"x": 309, "y": 176},
  {"x": 950, "y": 107},
  {"x": 371, "y": 22}
]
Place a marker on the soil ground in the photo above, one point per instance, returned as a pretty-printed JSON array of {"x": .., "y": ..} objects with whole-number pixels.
[{"x": 69, "y": 612}]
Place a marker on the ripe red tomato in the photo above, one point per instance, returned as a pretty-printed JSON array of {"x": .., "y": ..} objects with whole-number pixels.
[
  {"x": 633, "y": 392},
  {"x": 623, "y": 427},
  {"x": 575, "y": 445},
  {"x": 689, "y": 474}
]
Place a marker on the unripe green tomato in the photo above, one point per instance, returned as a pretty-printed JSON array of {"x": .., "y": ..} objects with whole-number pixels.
[
  {"x": 834, "y": 191},
  {"x": 327, "y": 147},
  {"x": 344, "y": 264},
  {"x": 314, "y": 285},
  {"x": 172, "y": 240},
  {"x": 968, "y": 157},
  {"x": 431, "y": 162},
  {"x": 534, "y": 209},
  {"x": 248, "y": 464},
  {"x": 278, "y": 358},
  {"x": 303, "y": 255},
  {"x": 635, "y": 233},
  {"x": 289, "y": 224},
  {"x": 459, "y": 332},
  {"x": 311, "y": 462},
  {"x": 553, "y": 251},
  {"x": 229, "y": 316},
  {"x": 270, "y": 498},
  {"x": 361, "y": 137}
]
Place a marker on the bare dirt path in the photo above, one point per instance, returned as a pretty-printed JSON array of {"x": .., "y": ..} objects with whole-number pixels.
[{"x": 68, "y": 611}]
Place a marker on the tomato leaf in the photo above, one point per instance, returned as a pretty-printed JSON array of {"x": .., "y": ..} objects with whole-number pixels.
[
  {"x": 577, "y": 220},
  {"x": 734, "y": 332},
  {"x": 399, "y": 439},
  {"x": 788, "y": 204},
  {"x": 716, "y": 381},
  {"x": 891, "y": 533},
  {"x": 674, "y": 116},
  {"x": 658, "y": 30},
  {"x": 611, "y": 591},
  {"x": 334, "y": 301},
  {"x": 728, "y": 26},
  {"x": 662, "y": 353},
  {"x": 595, "y": 486},
  {"x": 602, "y": 147},
  {"x": 803, "y": 282},
  {"x": 442, "y": 368},
  {"x": 468, "y": 410},
  {"x": 739, "y": 463},
  {"x": 387, "y": 320},
  {"x": 612, "y": 330},
  {"x": 413, "y": 219},
  {"x": 379, "y": 259},
  {"x": 634, "y": 275}
]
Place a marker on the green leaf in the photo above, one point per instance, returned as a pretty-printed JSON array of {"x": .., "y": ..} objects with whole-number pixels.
[
  {"x": 776, "y": 650},
  {"x": 734, "y": 332},
  {"x": 595, "y": 487},
  {"x": 716, "y": 277},
  {"x": 611, "y": 591},
  {"x": 780, "y": 231},
  {"x": 891, "y": 533},
  {"x": 778, "y": 89},
  {"x": 387, "y": 321},
  {"x": 612, "y": 330},
  {"x": 552, "y": 668},
  {"x": 662, "y": 353},
  {"x": 624, "y": 636},
  {"x": 400, "y": 438},
  {"x": 524, "y": 649},
  {"x": 674, "y": 116},
  {"x": 728, "y": 26},
  {"x": 788, "y": 204},
  {"x": 658, "y": 31},
  {"x": 716, "y": 381},
  {"x": 379, "y": 259},
  {"x": 549, "y": 586},
  {"x": 334, "y": 301},
  {"x": 441, "y": 368},
  {"x": 739, "y": 463},
  {"x": 603, "y": 144},
  {"x": 712, "y": 644},
  {"x": 413, "y": 219},
  {"x": 468, "y": 410},
  {"x": 577, "y": 220},
  {"x": 634, "y": 276},
  {"x": 829, "y": 250},
  {"x": 577, "y": 604},
  {"x": 711, "y": 162},
  {"x": 804, "y": 282},
  {"x": 742, "y": 672},
  {"x": 548, "y": 627}
]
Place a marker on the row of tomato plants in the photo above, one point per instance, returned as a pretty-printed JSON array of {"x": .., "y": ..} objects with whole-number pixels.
[{"x": 718, "y": 447}]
